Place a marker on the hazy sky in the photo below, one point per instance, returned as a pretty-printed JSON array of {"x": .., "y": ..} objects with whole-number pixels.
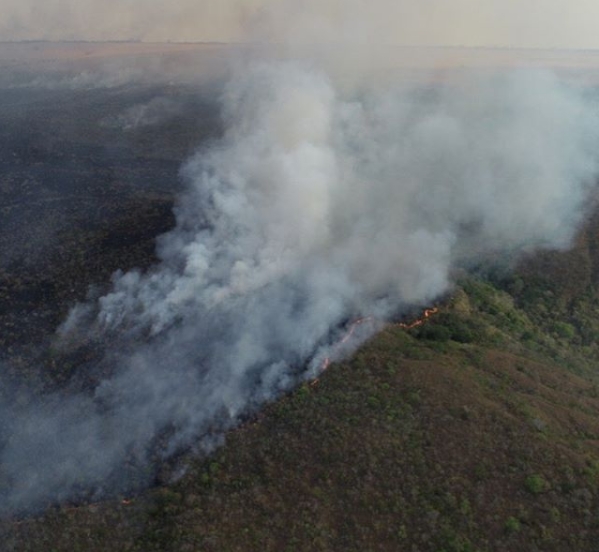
[{"x": 535, "y": 23}]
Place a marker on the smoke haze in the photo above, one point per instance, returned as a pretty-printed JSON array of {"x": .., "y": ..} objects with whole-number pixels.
[
  {"x": 321, "y": 204},
  {"x": 506, "y": 23}
]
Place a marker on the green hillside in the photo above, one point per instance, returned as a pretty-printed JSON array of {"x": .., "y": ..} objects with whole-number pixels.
[{"x": 478, "y": 430}]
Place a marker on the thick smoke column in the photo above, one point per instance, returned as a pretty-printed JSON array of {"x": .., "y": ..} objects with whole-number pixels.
[
  {"x": 316, "y": 207},
  {"x": 361, "y": 206}
]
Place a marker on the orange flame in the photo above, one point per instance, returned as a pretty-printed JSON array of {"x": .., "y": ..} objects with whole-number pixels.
[
  {"x": 427, "y": 313},
  {"x": 327, "y": 361},
  {"x": 353, "y": 327},
  {"x": 418, "y": 322}
]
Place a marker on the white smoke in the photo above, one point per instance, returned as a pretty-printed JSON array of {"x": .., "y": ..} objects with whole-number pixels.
[
  {"x": 365, "y": 198},
  {"x": 153, "y": 112},
  {"x": 319, "y": 205}
]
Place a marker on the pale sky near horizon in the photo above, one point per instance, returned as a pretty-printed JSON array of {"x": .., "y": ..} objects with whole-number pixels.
[{"x": 503, "y": 23}]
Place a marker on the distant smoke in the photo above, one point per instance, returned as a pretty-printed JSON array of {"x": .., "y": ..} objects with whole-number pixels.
[
  {"x": 150, "y": 20},
  {"x": 423, "y": 22},
  {"x": 154, "y": 112},
  {"x": 318, "y": 206}
]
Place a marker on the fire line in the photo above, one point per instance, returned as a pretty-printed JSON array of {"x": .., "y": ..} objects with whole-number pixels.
[
  {"x": 427, "y": 313},
  {"x": 419, "y": 321}
]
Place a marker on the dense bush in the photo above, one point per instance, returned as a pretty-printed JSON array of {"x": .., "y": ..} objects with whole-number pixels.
[{"x": 449, "y": 326}]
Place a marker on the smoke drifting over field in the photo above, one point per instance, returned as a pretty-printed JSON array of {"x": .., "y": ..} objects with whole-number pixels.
[{"x": 319, "y": 205}]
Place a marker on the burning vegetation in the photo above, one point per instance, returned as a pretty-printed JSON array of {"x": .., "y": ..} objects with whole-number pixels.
[{"x": 337, "y": 348}]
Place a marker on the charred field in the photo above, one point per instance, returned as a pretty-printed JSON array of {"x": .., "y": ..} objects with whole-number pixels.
[
  {"x": 86, "y": 187},
  {"x": 477, "y": 430}
]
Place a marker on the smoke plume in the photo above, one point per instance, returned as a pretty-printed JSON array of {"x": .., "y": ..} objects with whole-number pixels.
[{"x": 321, "y": 204}]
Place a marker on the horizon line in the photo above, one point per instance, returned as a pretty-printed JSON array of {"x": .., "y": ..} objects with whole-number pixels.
[{"x": 265, "y": 43}]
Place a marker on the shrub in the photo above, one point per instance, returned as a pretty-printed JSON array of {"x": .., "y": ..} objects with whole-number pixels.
[
  {"x": 434, "y": 332},
  {"x": 565, "y": 330},
  {"x": 512, "y": 525},
  {"x": 535, "y": 484}
]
